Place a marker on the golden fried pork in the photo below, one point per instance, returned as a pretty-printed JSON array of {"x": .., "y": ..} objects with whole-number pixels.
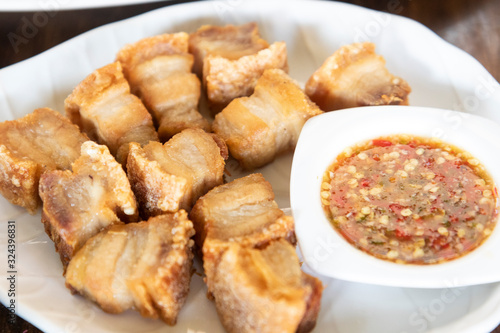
[
  {"x": 258, "y": 128},
  {"x": 356, "y": 76},
  {"x": 233, "y": 60},
  {"x": 166, "y": 178},
  {"x": 144, "y": 266},
  {"x": 242, "y": 211},
  {"x": 159, "y": 72},
  {"x": 264, "y": 290},
  {"x": 103, "y": 107},
  {"x": 252, "y": 270},
  {"x": 230, "y": 42},
  {"x": 42, "y": 140},
  {"x": 79, "y": 204}
]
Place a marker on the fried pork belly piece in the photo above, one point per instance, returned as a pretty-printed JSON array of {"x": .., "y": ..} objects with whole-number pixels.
[
  {"x": 233, "y": 60},
  {"x": 242, "y": 211},
  {"x": 159, "y": 72},
  {"x": 264, "y": 290},
  {"x": 42, "y": 140},
  {"x": 79, "y": 204},
  {"x": 356, "y": 76},
  {"x": 230, "y": 42},
  {"x": 266, "y": 124},
  {"x": 144, "y": 266},
  {"x": 252, "y": 270},
  {"x": 103, "y": 107},
  {"x": 166, "y": 178},
  {"x": 227, "y": 79}
]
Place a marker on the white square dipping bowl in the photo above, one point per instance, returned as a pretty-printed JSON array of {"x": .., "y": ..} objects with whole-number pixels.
[{"x": 325, "y": 136}]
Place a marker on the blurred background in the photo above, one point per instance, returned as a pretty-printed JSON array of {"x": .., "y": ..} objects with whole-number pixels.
[{"x": 472, "y": 25}]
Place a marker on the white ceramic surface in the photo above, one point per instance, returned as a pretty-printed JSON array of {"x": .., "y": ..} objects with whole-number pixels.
[
  {"x": 325, "y": 137},
  {"x": 441, "y": 76},
  {"x": 40, "y": 6}
]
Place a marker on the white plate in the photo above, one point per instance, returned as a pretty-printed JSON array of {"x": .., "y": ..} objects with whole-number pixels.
[
  {"x": 55, "y": 5},
  {"x": 440, "y": 75},
  {"x": 324, "y": 137}
]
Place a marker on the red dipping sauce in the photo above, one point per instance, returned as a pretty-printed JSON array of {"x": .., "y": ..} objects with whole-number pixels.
[{"x": 410, "y": 199}]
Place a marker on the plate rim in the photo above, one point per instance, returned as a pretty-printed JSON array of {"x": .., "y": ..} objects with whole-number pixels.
[{"x": 64, "y": 5}]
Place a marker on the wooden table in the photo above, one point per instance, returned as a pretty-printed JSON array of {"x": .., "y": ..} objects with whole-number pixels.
[{"x": 473, "y": 26}]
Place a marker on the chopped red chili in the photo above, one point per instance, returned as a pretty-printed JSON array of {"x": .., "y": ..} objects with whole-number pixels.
[{"x": 381, "y": 143}]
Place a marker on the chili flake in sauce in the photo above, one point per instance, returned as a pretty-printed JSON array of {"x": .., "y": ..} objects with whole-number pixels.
[{"x": 410, "y": 199}]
